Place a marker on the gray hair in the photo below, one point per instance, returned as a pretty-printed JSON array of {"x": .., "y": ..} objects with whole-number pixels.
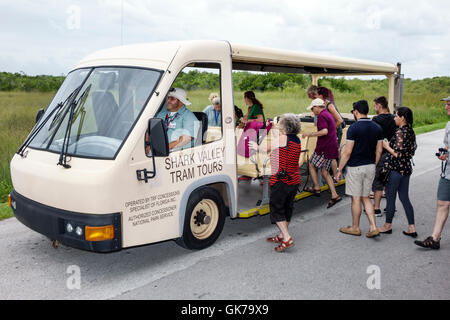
[
  {"x": 290, "y": 123},
  {"x": 215, "y": 100}
]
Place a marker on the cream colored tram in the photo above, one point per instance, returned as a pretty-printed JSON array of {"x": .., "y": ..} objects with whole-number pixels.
[{"x": 84, "y": 177}]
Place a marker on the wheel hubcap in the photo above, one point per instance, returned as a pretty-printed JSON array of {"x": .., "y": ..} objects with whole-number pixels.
[{"x": 204, "y": 219}]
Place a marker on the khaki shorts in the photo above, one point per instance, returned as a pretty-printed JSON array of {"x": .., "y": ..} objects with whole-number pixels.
[{"x": 358, "y": 181}]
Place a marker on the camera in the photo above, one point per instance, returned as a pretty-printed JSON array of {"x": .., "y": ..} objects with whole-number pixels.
[
  {"x": 441, "y": 152},
  {"x": 282, "y": 175}
]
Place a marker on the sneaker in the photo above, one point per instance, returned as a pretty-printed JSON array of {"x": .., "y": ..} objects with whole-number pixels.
[{"x": 428, "y": 243}]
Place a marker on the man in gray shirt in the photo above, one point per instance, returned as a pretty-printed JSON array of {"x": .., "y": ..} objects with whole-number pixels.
[{"x": 443, "y": 194}]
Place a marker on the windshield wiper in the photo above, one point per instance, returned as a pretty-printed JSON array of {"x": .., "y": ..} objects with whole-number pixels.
[
  {"x": 65, "y": 146},
  {"x": 38, "y": 128}
]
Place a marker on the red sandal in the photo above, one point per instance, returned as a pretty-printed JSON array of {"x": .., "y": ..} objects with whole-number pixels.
[
  {"x": 284, "y": 245},
  {"x": 276, "y": 239}
]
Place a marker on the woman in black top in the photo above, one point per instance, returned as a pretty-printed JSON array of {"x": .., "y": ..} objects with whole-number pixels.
[{"x": 401, "y": 149}]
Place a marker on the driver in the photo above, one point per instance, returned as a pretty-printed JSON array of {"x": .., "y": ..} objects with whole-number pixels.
[{"x": 181, "y": 123}]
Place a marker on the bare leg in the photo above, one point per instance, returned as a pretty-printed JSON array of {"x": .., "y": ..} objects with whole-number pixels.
[
  {"x": 334, "y": 166},
  {"x": 377, "y": 199},
  {"x": 314, "y": 177},
  {"x": 368, "y": 206},
  {"x": 283, "y": 226},
  {"x": 330, "y": 183},
  {"x": 356, "y": 212},
  {"x": 441, "y": 218}
]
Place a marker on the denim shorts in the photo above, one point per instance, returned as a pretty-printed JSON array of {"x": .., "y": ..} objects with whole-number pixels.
[{"x": 443, "y": 193}]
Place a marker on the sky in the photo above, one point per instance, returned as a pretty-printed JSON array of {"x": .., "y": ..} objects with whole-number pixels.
[{"x": 50, "y": 37}]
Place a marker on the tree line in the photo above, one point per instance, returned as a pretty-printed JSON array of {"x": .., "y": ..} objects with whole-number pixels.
[
  {"x": 242, "y": 81},
  {"x": 22, "y": 82}
]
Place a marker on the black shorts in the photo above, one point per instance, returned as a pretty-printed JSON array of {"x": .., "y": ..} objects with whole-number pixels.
[
  {"x": 282, "y": 201},
  {"x": 377, "y": 185}
]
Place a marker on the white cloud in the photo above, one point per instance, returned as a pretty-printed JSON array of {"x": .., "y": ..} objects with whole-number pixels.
[{"x": 38, "y": 37}]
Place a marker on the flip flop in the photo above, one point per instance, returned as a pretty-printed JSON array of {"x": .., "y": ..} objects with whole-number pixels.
[
  {"x": 315, "y": 192},
  {"x": 333, "y": 202}
]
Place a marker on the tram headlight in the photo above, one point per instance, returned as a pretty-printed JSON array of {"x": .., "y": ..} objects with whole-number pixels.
[
  {"x": 79, "y": 231},
  {"x": 69, "y": 228}
]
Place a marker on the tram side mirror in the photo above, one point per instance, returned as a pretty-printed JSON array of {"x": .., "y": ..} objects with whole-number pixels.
[
  {"x": 39, "y": 114},
  {"x": 159, "y": 143}
]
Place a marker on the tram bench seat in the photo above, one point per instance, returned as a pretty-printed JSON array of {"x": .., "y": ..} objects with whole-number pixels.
[{"x": 258, "y": 164}]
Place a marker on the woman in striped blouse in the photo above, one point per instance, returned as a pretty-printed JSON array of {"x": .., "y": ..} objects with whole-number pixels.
[{"x": 285, "y": 153}]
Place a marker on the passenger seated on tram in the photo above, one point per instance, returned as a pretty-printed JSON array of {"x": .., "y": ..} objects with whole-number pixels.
[{"x": 214, "y": 113}]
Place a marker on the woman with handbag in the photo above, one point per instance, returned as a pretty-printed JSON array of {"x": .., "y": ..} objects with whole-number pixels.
[{"x": 398, "y": 166}]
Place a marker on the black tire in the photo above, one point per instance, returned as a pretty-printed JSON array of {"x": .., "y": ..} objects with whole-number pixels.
[{"x": 200, "y": 235}]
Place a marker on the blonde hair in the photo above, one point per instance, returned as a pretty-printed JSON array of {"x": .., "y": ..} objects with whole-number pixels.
[{"x": 213, "y": 95}]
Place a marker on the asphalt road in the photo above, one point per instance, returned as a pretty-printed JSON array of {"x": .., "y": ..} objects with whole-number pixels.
[{"x": 324, "y": 264}]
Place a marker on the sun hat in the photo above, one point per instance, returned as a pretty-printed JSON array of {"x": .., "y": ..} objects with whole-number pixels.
[
  {"x": 316, "y": 103},
  {"x": 446, "y": 99},
  {"x": 362, "y": 106},
  {"x": 180, "y": 94}
]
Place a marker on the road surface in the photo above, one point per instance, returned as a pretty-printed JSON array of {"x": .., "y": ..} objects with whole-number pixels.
[{"x": 324, "y": 264}]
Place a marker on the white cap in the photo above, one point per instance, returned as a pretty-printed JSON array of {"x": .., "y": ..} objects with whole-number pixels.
[
  {"x": 180, "y": 94},
  {"x": 316, "y": 103}
]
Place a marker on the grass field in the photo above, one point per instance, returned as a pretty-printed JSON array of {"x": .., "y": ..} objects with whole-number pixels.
[{"x": 18, "y": 111}]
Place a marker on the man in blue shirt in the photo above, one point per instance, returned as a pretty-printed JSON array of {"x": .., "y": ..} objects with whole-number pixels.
[
  {"x": 181, "y": 124},
  {"x": 361, "y": 153}
]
